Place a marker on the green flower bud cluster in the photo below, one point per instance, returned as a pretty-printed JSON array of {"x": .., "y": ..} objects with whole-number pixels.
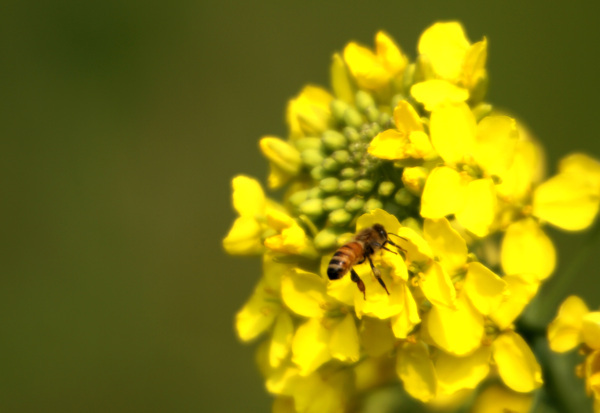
[{"x": 347, "y": 181}]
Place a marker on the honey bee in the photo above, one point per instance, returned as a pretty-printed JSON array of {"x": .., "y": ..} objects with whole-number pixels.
[{"x": 364, "y": 244}]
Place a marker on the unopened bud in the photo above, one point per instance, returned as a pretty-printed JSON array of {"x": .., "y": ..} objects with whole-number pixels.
[
  {"x": 311, "y": 157},
  {"x": 333, "y": 140},
  {"x": 338, "y": 107},
  {"x": 354, "y": 204},
  {"x": 351, "y": 134},
  {"x": 372, "y": 204},
  {"x": 353, "y": 118},
  {"x": 386, "y": 188},
  {"x": 313, "y": 208},
  {"x": 341, "y": 156},
  {"x": 330, "y": 165},
  {"x": 364, "y": 100},
  {"x": 340, "y": 217},
  {"x": 414, "y": 179},
  {"x": 329, "y": 185},
  {"x": 403, "y": 197},
  {"x": 326, "y": 239},
  {"x": 347, "y": 187},
  {"x": 298, "y": 197},
  {"x": 281, "y": 153},
  {"x": 348, "y": 173},
  {"x": 364, "y": 186},
  {"x": 332, "y": 203},
  {"x": 317, "y": 173}
]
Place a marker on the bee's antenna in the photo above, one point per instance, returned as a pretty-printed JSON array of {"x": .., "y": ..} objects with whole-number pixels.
[{"x": 396, "y": 235}]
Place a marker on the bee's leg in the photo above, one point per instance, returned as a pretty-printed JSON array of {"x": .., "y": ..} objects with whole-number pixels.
[
  {"x": 377, "y": 274},
  {"x": 359, "y": 283},
  {"x": 402, "y": 250}
]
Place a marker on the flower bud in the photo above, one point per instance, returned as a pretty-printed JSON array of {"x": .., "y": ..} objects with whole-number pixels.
[
  {"x": 353, "y": 118},
  {"x": 386, "y": 188},
  {"x": 303, "y": 144},
  {"x": 338, "y": 107},
  {"x": 414, "y": 179},
  {"x": 351, "y": 134},
  {"x": 354, "y": 204},
  {"x": 298, "y": 197},
  {"x": 281, "y": 153},
  {"x": 330, "y": 165},
  {"x": 311, "y": 157},
  {"x": 312, "y": 208},
  {"x": 333, "y": 202},
  {"x": 340, "y": 217},
  {"x": 403, "y": 197},
  {"x": 347, "y": 187},
  {"x": 317, "y": 173},
  {"x": 364, "y": 100},
  {"x": 371, "y": 204},
  {"x": 333, "y": 140},
  {"x": 348, "y": 173},
  {"x": 329, "y": 185},
  {"x": 372, "y": 114},
  {"x": 341, "y": 156},
  {"x": 326, "y": 239},
  {"x": 364, "y": 186}
]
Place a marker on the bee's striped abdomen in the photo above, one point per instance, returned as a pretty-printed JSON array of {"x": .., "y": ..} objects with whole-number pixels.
[{"x": 344, "y": 259}]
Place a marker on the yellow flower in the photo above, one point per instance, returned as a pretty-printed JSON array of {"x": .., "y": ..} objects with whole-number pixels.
[{"x": 431, "y": 302}]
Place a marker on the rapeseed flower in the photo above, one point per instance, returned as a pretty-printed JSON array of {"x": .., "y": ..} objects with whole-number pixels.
[{"x": 459, "y": 189}]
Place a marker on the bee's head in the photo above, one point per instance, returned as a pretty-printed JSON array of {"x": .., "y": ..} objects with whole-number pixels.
[{"x": 380, "y": 230}]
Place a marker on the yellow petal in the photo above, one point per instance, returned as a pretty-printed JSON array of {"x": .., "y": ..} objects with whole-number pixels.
[
  {"x": 403, "y": 323},
  {"x": 583, "y": 166},
  {"x": 389, "y": 144},
  {"x": 484, "y": 288},
  {"x": 318, "y": 393},
  {"x": 527, "y": 250},
  {"x": 344, "y": 343},
  {"x": 390, "y": 54},
  {"x": 310, "y": 346},
  {"x": 457, "y": 373},
  {"x": 309, "y": 113},
  {"x": 406, "y": 118},
  {"x": 281, "y": 340},
  {"x": 447, "y": 244},
  {"x": 518, "y": 179},
  {"x": 590, "y": 330},
  {"x": 564, "y": 332},
  {"x": 498, "y": 399},
  {"x": 473, "y": 70},
  {"x": 304, "y": 293},
  {"x": 437, "y": 286},
  {"x": 418, "y": 251},
  {"x": 378, "y": 216},
  {"x": 436, "y": 92},
  {"x": 520, "y": 291},
  {"x": 366, "y": 68},
  {"x": 497, "y": 138},
  {"x": 479, "y": 209},
  {"x": 445, "y": 45},
  {"x": 567, "y": 200},
  {"x": 376, "y": 337},
  {"x": 444, "y": 193},
  {"x": 457, "y": 331},
  {"x": 244, "y": 237},
  {"x": 415, "y": 369},
  {"x": 258, "y": 314},
  {"x": 453, "y": 131},
  {"x": 516, "y": 363},
  {"x": 341, "y": 83},
  {"x": 378, "y": 303},
  {"x": 248, "y": 196}
]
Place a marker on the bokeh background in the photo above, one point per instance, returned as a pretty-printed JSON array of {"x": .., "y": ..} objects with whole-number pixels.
[{"x": 122, "y": 123}]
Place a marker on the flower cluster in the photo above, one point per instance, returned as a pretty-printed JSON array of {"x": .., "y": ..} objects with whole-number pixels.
[
  {"x": 576, "y": 326},
  {"x": 414, "y": 147}
]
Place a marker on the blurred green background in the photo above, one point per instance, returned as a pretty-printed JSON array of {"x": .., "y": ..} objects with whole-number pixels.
[{"x": 122, "y": 124}]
